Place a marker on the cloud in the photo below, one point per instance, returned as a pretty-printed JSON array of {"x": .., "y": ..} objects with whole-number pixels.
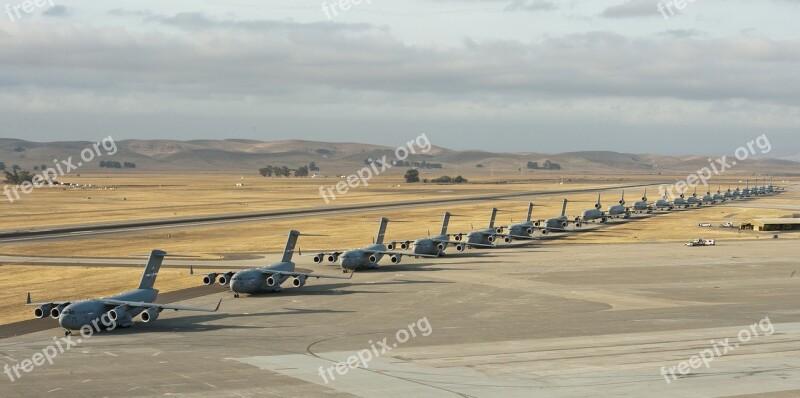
[
  {"x": 632, "y": 9},
  {"x": 57, "y": 11},
  {"x": 531, "y": 5}
]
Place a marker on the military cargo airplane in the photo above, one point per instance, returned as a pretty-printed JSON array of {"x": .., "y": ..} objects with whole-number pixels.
[
  {"x": 594, "y": 214},
  {"x": 267, "y": 279},
  {"x": 367, "y": 257},
  {"x": 664, "y": 204},
  {"x": 619, "y": 210},
  {"x": 118, "y": 310},
  {"x": 433, "y": 246},
  {"x": 482, "y": 238},
  {"x": 643, "y": 206},
  {"x": 556, "y": 224}
]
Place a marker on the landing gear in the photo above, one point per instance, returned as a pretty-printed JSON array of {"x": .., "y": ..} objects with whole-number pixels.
[
  {"x": 236, "y": 295},
  {"x": 67, "y": 333}
]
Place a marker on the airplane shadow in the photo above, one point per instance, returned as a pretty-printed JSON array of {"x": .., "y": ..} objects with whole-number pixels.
[{"x": 196, "y": 323}]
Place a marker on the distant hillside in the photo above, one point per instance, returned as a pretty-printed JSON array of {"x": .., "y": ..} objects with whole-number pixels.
[{"x": 247, "y": 156}]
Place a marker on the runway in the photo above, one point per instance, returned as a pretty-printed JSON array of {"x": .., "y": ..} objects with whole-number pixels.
[
  {"x": 94, "y": 230},
  {"x": 545, "y": 320}
]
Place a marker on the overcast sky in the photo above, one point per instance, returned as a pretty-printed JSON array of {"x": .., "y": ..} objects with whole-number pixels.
[{"x": 502, "y": 75}]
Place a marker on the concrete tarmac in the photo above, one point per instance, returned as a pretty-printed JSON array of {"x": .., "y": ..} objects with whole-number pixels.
[{"x": 542, "y": 320}]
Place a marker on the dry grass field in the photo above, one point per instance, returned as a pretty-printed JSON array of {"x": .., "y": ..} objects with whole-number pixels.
[{"x": 163, "y": 196}]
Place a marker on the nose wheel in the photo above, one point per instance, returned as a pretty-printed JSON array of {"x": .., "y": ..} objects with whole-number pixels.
[
  {"x": 236, "y": 295},
  {"x": 67, "y": 333}
]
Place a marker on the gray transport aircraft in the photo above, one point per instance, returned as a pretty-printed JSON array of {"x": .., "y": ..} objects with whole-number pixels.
[
  {"x": 708, "y": 199},
  {"x": 369, "y": 256},
  {"x": 643, "y": 206},
  {"x": 664, "y": 204},
  {"x": 522, "y": 231},
  {"x": 482, "y": 238},
  {"x": 118, "y": 310},
  {"x": 433, "y": 245},
  {"x": 557, "y": 224},
  {"x": 619, "y": 210},
  {"x": 268, "y": 279},
  {"x": 719, "y": 197},
  {"x": 594, "y": 214}
]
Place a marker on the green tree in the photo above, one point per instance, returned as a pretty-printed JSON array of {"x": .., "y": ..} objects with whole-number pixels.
[
  {"x": 412, "y": 176},
  {"x": 301, "y": 172}
]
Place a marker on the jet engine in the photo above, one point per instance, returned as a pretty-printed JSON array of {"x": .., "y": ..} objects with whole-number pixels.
[
  {"x": 43, "y": 311},
  {"x": 150, "y": 315},
  {"x": 396, "y": 259},
  {"x": 209, "y": 279},
  {"x": 373, "y": 259},
  {"x": 333, "y": 258},
  {"x": 119, "y": 313},
  {"x": 319, "y": 258},
  {"x": 299, "y": 281},
  {"x": 56, "y": 312},
  {"x": 461, "y": 247},
  {"x": 225, "y": 278}
]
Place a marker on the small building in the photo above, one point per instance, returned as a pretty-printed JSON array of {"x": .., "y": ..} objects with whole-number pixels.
[{"x": 775, "y": 224}]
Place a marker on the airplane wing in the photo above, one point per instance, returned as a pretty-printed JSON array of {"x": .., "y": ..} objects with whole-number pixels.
[
  {"x": 452, "y": 242},
  {"x": 54, "y": 303},
  {"x": 393, "y": 253},
  {"x": 307, "y": 275},
  {"x": 158, "y": 306},
  {"x": 517, "y": 237}
]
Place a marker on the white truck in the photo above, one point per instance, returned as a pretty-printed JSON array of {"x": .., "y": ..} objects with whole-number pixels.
[{"x": 702, "y": 242}]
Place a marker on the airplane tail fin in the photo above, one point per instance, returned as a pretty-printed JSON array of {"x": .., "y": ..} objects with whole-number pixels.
[
  {"x": 152, "y": 268},
  {"x": 445, "y": 222},
  {"x": 530, "y": 212},
  {"x": 290, "y": 245},
  {"x": 564, "y": 208},
  {"x": 494, "y": 216},
  {"x": 382, "y": 230}
]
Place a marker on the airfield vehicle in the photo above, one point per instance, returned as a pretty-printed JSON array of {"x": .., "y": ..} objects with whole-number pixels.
[{"x": 702, "y": 242}]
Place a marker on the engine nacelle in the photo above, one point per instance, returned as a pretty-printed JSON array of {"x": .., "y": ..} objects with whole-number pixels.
[
  {"x": 274, "y": 280},
  {"x": 564, "y": 224},
  {"x": 43, "y": 311},
  {"x": 461, "y": 247},
  {"x": 598, "y": 206},
  {"x": 391, "y": 246},
  {"x": 299, "y": 281},
  {"x": 507, "y": 239},
  {"x": 396, "y": 259},
  {"x": 118, "y": 314},
  {"x": 529, "y": 231},
  {"x": 537, "y": 224},
  {"x": 333, "y": 258},
  {"x": 150, "y": 315},
  {"x": 545, "y": 232},
  {"x": 577, "y": 225},
  {"x": 210, "y": 279},
  {"x": 405, "y": 245},
  {"x": 499, "y": 230},
  {"x": 373, "y": 259},
  {"x": 319, "y": 258},
  {"x": 491, "y": 238},
  {"x": 458, "y": 237},
  {"x": 441, "y": 247},
  {"x": 55, "y": 312},
  {"x": 225, "y": 278}
]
